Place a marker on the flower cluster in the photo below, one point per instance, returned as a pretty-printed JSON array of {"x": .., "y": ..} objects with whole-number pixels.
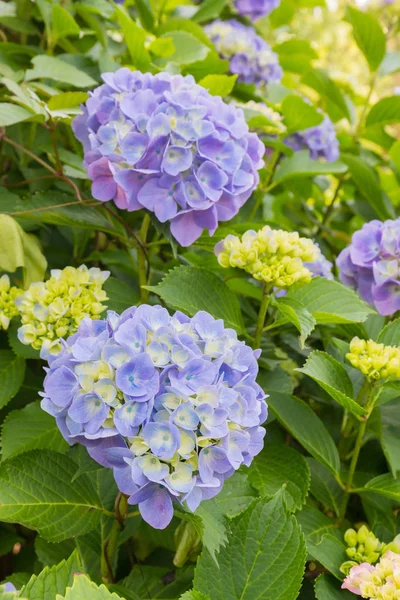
[
  {"x": 277, "y": 257},
  {"x": 249, "y": 55},
  {"x": 379, "y": 582},
  {"x": 163, "y": 143},
  {"x": 320, "y": 140},
  {"x": 170, "y": 403},
  {"x": 54, "y": 309},
  {"x": 375, "y": 361},
  {"x": 255, "y": 9},
  {"x": 371, "y": 264},
  {"x": 362, "y": 546},
  {"x": 8, "y": 296}
]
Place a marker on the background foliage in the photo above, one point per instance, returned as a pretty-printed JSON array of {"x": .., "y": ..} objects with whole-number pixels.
[{"x": 276, "y": 529}]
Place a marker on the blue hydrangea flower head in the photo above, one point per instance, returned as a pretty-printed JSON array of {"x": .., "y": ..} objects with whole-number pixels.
[
  {"x": 371, "y": 264},
  {"x": 250, "y": 56},
  {"x": 170, "y": 403},
  {"x": 255, "y": 9},
  {"x": 321, "y": 141},
  {"x": 163, "y": 143}
]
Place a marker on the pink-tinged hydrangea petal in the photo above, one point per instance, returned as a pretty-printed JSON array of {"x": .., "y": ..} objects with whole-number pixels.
[{"x": 163, "y": 143}]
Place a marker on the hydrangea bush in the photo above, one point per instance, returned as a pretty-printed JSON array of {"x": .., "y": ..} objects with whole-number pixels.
[{"x": 199, "y": 314}]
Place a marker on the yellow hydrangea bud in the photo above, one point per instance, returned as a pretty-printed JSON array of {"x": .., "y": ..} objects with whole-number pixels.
[
  {"x": 274, "y": 256},
  {"x": 8, "y": 307},
  {"x": 375, "y": 361},
  {"x": 55, "y": 308}
]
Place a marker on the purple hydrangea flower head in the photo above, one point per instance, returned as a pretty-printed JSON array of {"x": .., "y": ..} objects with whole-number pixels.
[
  {"x": 320, "y": 140},
  {"x": 371, "y": 264},
  {"x": 163, "y": 143},
  {"x": 250, "y": 56},
  {"x": 255, "y": 9},
  {"x": 170, "y": 403},
  {"x": 321, "y": 267}
]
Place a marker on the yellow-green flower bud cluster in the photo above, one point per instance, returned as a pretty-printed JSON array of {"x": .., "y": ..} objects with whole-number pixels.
[
  {"x": 362, "y": 546},
  {"x": 375, "y": 361},
  {"x": 54, "y": 309},
  {"x": 8, "y": 295},
  {"x": 274, "y": 256}
]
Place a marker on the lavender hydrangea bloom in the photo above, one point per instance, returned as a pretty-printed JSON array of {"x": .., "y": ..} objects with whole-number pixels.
[
  {"x": 255, "y": 9},
  {"x": 321, "y": 267},
  {"x": 371, "y": 264},
  {"x": 163, "y": 143},
  {"x": 320, "y": 140},
  {"x": 250, "y": 57},
  {"x": 170, "y": 403}
]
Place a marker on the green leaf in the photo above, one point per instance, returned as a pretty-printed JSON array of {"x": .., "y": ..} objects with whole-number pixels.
[
  {"x": 12, "y": 113},
  {"x": 327, "y": 588},
  {"x": 67, "y": 99},
  {"x": 214, "y": 534},
  {"x": 193, "y": 595},
  {"x": 83, "y": 589},
  {"x": 385, "y": 485},
  {"x": 145, "y": 14},
  {"x": 306, "y": 427},
  {"x": 63, "y": 23},
  {"x": 120, "y": 295},
  {"x": 28, "y": 429},
  {"x": 301, "y": 165},
  {"x": 319, "y": 80},
  {"x": 369, "y": 36},
  {"x": 330, "y": 552},
  {"x": 264, "y": 558},
  {"x": 368, "y": 185},
  {"x": 279, "y": 466},
  {"x": 298, "y": 114},
  {"x": 135, "y": 38},
  {"x": 394, "y": 154},
  {"x": 163, "y": 47},
  {"x": 236, "y": 494},
  {"x": 36, "y": 491},
  {"x": 390, "y": 334},
  {"x": 51, "y": 554},
  {"x": 52, "y": 580},
  {"x": 188, "y": 49},
  {"x": 12, "y": 373},
  {"x": 209, "y": 9},
  {"x": 49, "y": 67},
  {"x": 192, "y": 289},
  {"x": 153, "y": 582},
  {"x": 390, "y": 434},
  {"x": 324, "y": 486},
  {"x": 219, "y": 85},
  {"x": 20, "y": 349},
  {"x": 315, "y": 524},
  {"x": 333, "y": 378},
  {"x": 293, "y": 312},
  {"x": 384, "y": 112},
  {"x": 331, "y": 302}
]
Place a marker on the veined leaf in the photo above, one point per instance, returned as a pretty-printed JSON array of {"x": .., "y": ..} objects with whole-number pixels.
[
  {"x": 369, "y": 36},
  {"x": 264, "y": 558},
  {"x": 83, "y": 589},
  {"x": 36, "y": 491},
  {"x": 298, "y": 114},
  {"x": 12, "y": 113},
  {"x": 49, "y": 67},
  {"x": 384, "y": 112},
  {"x": 385, "y": 485},
  {"x": 52, "y": 580},
  {"x": 12, "y": 373},
  {"x": 301, "y": 165},
  {"x": 327, "y": 588}
]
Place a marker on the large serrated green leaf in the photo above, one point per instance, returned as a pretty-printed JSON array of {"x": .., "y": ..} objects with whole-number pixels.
[
  {"x": 28, "y": 429},
  {"x": 192, "y": 289},
  {"x": 300, "y": 165},
  {"x": 277, "y": 466},
  {"x": 385, "y": 485},
  {"x": 84, "y": 589},
  {"x": 36, "y": 491},
  {"x": 390, "y": 334},
  {"x": 330, "y": 552},
  {"x": 264, "y": 558},
  {"x": 12, "y": 373},
  {"x": 193, "y": 595},
  {"x": 331, "y": 302},
  {"x": 369, "y": 36},
  {"x": 52, "y": 580},
  {"x": 306, "y": 427},
  {"x": 294, "y": 312},
  {"x": 215, "y": 530},
  {"x": 333, "y": 378},
  {"x": 49, "y": 67},
  {"x": 315, "y": 524}
]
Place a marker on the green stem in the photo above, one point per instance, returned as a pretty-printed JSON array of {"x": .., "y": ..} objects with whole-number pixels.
[
  {"x": 142, "y": 260},
  {"x": 369, "y": 406},
  {"x": 261, "y": 317},
  {"x": 110, "y": 546}
]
